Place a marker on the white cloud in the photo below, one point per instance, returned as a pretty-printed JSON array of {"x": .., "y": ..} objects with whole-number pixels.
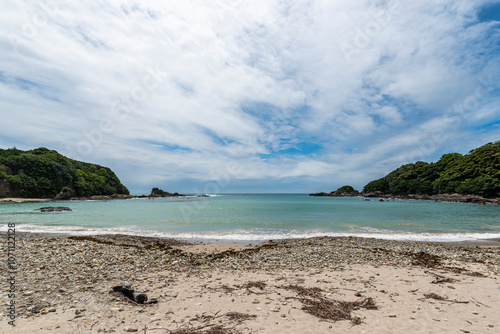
[{"x": 166, "y": 90}]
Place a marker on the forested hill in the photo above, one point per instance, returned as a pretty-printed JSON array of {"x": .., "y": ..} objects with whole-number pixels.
[
  {"x": 43, "y": 173},
  {"x": 476, "y": 173}
]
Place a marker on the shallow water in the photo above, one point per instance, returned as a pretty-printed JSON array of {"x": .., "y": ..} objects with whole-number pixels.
[{"x": 262, "y": 217}]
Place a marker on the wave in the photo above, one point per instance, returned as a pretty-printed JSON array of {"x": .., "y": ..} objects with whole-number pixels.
[{"x": 249, "y": 235}]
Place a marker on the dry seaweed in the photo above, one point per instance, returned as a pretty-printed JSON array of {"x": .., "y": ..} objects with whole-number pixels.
[
  {"x": 314, "y": 292},
  {"x": 215, "y": 329},
  {"x": 440, "y": 278},
  {"x": 335, "y": 310},
  {"x": 239, "y": 316},
  {"x": 464, "y": 271},
  {"x": 256, "y": 284},
  {"x": 219, "y": 329},
  {"x": 474, "y": 274},
  {"x": 433, "y": 295},
  {"x": 227, "y": 289},
  {"x": 424, "y": 259}
]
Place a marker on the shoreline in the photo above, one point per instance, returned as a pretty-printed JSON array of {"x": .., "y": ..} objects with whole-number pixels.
[
  {"x": 495, "y": 242},
  {"x": 64, "y": 285},
  {"x": 442, "y": 198},
  {"x": 93, "y": 198}
]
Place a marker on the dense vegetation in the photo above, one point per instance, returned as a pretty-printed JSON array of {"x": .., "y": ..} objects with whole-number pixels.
[
  {"x": 345, "y": 191},
  {"x": 476, "y": 173},
  {"x": 45, "y": 173},
  {"x": 156, "y": 192}
]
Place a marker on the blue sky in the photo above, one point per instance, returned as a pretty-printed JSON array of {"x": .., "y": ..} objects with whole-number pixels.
[{"x": 250, "y": 96}]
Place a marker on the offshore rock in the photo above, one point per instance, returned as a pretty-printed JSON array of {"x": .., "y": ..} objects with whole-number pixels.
[{"x": 53, "y": 209}]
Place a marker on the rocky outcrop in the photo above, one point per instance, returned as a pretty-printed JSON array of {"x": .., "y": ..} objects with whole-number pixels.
[
  {"x": 53, "y": 209},
  {"x": 345, "y": 191},
  {"x": 457, "y": 198}
]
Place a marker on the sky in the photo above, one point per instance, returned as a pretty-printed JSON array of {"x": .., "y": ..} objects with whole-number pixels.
[{"x": 240, "y": 96}]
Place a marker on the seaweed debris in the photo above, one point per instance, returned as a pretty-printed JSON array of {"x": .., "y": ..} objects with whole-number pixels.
[{"x": 335, "y": 310}]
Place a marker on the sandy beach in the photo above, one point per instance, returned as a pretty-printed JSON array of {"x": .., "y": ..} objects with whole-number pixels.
[
  {"x": 320, "y": 285},
  {"x": 24, "y": 200}
]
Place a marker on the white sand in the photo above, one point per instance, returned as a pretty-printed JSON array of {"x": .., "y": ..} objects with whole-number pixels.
[{"x": 471, "y": 307}]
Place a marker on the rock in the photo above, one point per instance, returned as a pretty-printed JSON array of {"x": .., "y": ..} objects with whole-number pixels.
[
  {"x": 345, "y": 191},
  {"x": 40, "y": 307},
  {"x": 53, "y": 209},
  {"x": 131, "y": 330}
]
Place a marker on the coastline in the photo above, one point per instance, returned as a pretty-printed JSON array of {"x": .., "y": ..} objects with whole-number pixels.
[
  {"x": 24, "y": 200},
  {"x": 447, "y": 198},
  {"x": 272, "y": 287},
  {"x": 93, "y": 198}
]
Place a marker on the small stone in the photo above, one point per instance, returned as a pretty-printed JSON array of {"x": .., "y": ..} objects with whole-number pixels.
[
  {"x": 392, "y": 316},
  {"x": 129, "y": 329},
  {"x": 256, "y": 301},
  {"x": 52, "y": 309}
]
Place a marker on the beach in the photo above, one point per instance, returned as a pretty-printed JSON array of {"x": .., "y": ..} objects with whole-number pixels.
[{"x": 316, "y": 285}]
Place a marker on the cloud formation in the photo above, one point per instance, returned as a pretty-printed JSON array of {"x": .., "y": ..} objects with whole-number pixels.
[{"x": 265, "y": 95}]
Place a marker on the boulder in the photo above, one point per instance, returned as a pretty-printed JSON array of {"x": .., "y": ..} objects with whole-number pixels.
[{"x": 53, "y": 209}]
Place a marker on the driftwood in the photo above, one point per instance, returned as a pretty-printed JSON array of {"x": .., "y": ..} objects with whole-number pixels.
[{"x": 137, "y": 297}]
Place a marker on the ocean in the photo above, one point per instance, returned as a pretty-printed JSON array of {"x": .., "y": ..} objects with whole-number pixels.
[{"x": 260, "y": 217}]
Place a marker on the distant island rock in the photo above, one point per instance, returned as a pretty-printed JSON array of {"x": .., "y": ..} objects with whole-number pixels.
[
  {"x": 53, "y": 209},
  {"x": 345, "y": 191},
  {"x": 156, "y": 192},
  {"x": 44, "y": 173}
]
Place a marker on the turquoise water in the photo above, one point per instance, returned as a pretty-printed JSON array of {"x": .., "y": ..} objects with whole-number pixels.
[{"x": 262, "y": 217}]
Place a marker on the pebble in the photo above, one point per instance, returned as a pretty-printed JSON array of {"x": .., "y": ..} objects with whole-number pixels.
[
  {"x": 130, "y": 329},
  {"x": 74, "y": 264}
]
